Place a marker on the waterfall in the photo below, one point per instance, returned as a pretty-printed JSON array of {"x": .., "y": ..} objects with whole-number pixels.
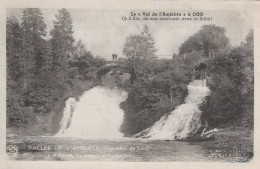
[
  {"x": 184, "y": 120},
  {"x": 96, "y": 115},
  {"x": 67, "y": 114}
]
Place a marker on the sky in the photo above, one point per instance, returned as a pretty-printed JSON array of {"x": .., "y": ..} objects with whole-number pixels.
[{"x": 105, "y": 32}]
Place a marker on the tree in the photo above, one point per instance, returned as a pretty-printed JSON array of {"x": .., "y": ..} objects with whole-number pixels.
[
  {"x": 34, "y": 29},
  {"x": 79, "y": 50},
  {"x": 208, "y": 38},
  {"x": 148, "y": 43},
  {"x": 243, "y": 58},
  {"x": 133, "y": 47},
  {"x": 140, "y": 46},
  {"x": 32, "y": 21},
  {"x": 25, "y": 55},
  {"x": 232, "y": 87},
  {"x": 34, "y": 46},
  {"x": 14, "y": 72},
  {"x": 13, "y": 47},
  {"x": 62, "y": 37},
  {"x": 62, "y": 47}
]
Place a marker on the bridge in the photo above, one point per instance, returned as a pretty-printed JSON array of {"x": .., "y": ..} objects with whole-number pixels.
[
  {"x": 198, "y": 59},
  {"x": 174, "y": 56}
]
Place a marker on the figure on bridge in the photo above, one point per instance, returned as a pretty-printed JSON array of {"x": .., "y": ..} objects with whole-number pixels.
[
  {"x": 114, "y": 56},
  {"x": 174, "y": 56}
]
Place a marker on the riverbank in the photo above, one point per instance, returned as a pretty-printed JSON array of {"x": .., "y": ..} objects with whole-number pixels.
[{"x": 234, "y": 144}]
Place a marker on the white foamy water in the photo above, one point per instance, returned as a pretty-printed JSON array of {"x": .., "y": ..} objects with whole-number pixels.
[
  {"x": 67, "y": 114},
  {"x": 96, "y": 115},
  {"x": 185, "y": 119}
]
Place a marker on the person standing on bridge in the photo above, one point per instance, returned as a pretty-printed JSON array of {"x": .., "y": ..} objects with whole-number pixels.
[
  {"x": 114, "y": 56},
  {"x": 174, "y": 56}
]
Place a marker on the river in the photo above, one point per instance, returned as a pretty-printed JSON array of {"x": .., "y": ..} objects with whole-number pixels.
[{"x": 53, "y": 148}]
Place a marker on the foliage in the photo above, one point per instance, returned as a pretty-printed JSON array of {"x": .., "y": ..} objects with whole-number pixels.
[
  {"x": 32, "y": 21},
  {"x": 41, "y": 73},
  {"x": 232, "y": 87},
  {"x": 208, "y": 38},
  {"x": 156, "y": 92},
  {"x": 231, "y": 76},
  {"x": 230, "y": 73},
  {"x": 62, "y": 39},
  {"x": 140, "y": 46},
  {"x": 80, "y": 50}
]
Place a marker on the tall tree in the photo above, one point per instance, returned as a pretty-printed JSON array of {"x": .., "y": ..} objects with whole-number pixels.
[
  {"x": 34, "y": 46},
  {"x": 33, "y": 22},
  {"x": 148, "y": 43},
  {"x": 13, "y": 57},
  {"x": 25, "y": 52},
  {"x": 62, "y": 37},
  {"x": 13, "y": 47},
  {"x": 139, "y": 47}
]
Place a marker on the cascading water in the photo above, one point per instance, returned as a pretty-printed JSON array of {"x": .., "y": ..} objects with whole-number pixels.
[
  {"x": 96, "y": 115},
  {"x": 184, "y": 120},
  {"x": 67, "y": 114}
]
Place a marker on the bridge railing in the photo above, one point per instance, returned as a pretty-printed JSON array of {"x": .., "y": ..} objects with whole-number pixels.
[{"x": 193, "y": 54}]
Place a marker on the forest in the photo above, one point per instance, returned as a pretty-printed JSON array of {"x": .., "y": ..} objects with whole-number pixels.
[{"x": 42, "y": 73}]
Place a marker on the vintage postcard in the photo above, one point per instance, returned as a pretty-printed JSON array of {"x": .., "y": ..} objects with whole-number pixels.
[{"x": 127, "y": 84}]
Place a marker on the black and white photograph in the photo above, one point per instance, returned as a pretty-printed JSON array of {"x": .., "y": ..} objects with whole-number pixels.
[{"x": 129, "y": 85}]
